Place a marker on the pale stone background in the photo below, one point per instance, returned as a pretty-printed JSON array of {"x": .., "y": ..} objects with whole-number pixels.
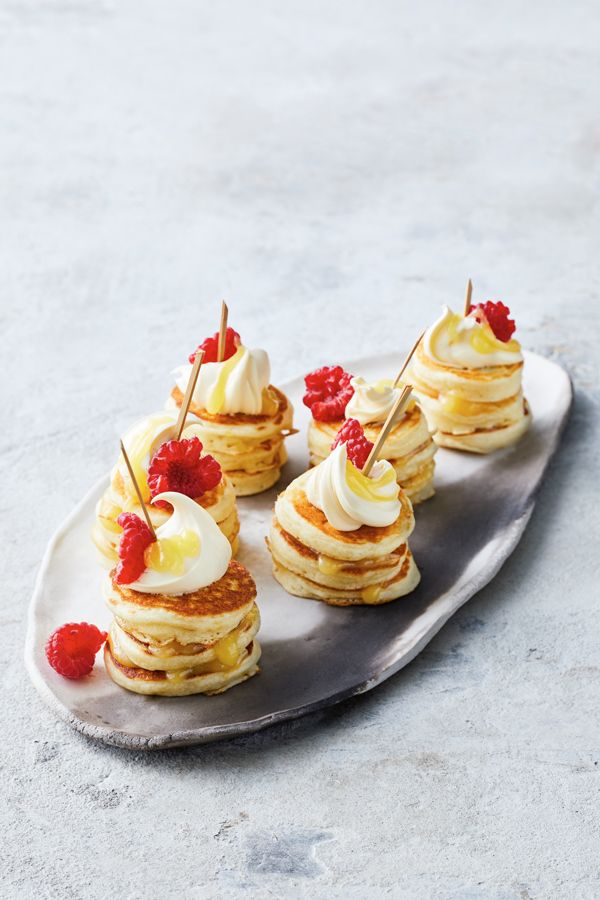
[{"x": 336, "y": 170}]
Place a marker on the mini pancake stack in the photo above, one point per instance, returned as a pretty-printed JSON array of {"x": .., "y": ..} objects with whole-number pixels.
[
  {"x": 142, "y": 442},
  {"x": 341, "y": 536},
  {"x": 179, "y": 628},
  {"x": 468, "y": 380},
  {"x": 408, "y": 447},
  {"x": 243, "y": 419}
]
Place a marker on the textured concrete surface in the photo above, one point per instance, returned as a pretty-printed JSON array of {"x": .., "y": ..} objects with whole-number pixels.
[{"x": 336, "y": 171}]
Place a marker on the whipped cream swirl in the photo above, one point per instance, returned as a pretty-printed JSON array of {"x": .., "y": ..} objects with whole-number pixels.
[
  {"x": 371, "y": 402},
  {"x": 350, "y": 499},
  {"x": 465, "y": 343},
  {"x": 142, "y": 441},
  {"x": 235, "y": 385},
  {"x": 205, "y": 566}
]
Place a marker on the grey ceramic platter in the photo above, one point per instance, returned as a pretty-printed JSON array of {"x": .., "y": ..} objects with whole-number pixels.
[{"x": 312, "y": 656}]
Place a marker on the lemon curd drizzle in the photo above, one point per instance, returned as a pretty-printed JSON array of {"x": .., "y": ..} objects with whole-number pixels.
[
  {"x": 455, "y": 404},
  {"x": 371, "y": 593},
  {"x": 227, "y": 650},
  {"x": 482, "y": 339},
  {"x": 370, "y": 489},
  {"x": 329, "y": 566},
  {"x": 381, "y": 385},
  {"x": 168, "y": 554},
  {"x": 138, "y": 449},
  {"x": 216, "y": 401}
]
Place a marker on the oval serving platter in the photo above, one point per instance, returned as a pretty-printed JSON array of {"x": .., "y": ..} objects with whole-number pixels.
[{"x": 311, "y": 657}]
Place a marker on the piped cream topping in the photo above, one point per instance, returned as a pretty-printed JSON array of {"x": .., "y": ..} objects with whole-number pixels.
[
  {"x": 235, "y": 385},
  {"x": 350, "y": 499},
  {"x": 190, "y": 552},
  {"x": 465, "y": 343},
  {"x": 371, "y": 401},
  {"x": 142, "y": 441}
]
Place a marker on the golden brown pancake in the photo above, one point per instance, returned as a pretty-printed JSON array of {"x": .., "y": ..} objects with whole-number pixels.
[
  {"x": 233, "y": 591},
  {"x": 201, "y": 616},
  {"x": 275, "y": 407}
]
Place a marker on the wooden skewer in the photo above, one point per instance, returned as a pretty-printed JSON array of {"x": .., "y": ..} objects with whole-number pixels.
[
  {"x": 393, "y": 415},
  {"x": 468, "y": 296},
  {"x": 222, "y": 331},
  {"x": 189, "y": 391},
  {"x": 138, "y": 492},
  {"x": 408, "y": 359}
]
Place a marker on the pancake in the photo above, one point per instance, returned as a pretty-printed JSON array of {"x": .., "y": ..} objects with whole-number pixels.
[
  {"x": 486, "y": 440},
  {"x": 202, "y": 616},
  {"x": 172, "y": 656},
  {"x": 456, "y": 415},
  {"x": 408, "y": 447},
  {"x": 249, "y": 448},
  {"x": 246, "y": 483},
  {"x": 308, "y": 524},
  {"x": 479, "y": 410},
  {"x": 208, "y": 679},
  {"x": 292, "y": 554},
  {"x": 483, "y": 384},
  {"x": 400, "y": 585},
  {"x": 106, "y": 533}
]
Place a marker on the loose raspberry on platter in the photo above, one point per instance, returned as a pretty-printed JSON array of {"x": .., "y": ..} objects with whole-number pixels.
[
  {"x": 210, "y": 345},
  {"x": 71, "y": 649},
  {"x": 180, "y": 466},
  {"x": 134, "y": 540},
  {"x": 496, "y": 315},
  {"x": 328, "y": 390},
  {"x": 357, "y": 446}
]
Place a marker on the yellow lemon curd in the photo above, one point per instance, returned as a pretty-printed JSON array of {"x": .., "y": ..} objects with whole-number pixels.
[
  {"x": 216, "y": 401},
  {"x": 168, "y": 554},
  {"x": 366, "y": 488},
  {"x": 226, "y": 650},
  {"x": 482, "y": 339},
  {"x": 372, "y": 593},
  {"x": 329, "y": 566}
]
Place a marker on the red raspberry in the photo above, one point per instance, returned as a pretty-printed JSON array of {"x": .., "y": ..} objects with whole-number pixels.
[
  {"x": 210, "y": 345},
  {"x": 134, "y": 540},
  {"x": 71, "y": 649},
  {"x": 357, "y": 446},
  {"x": 328, "y": 390},
  {"x": 496, "y": 315},
  {"x": 180, "y": 466}
]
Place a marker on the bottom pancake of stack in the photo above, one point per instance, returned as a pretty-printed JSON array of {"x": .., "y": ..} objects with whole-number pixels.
[
  {"x": 408, "y": 447},
  {"x": 201, "y": 642},
  {"x": 311, "y": 559}
]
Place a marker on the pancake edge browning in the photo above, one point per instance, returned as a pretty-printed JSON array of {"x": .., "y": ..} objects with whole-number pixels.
[
  {"x": 201, "y": 616},
  {"x": 308, "y": 524},
  {"x": 142, "y": 681},
  {"x": 399, "y": 586}
]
